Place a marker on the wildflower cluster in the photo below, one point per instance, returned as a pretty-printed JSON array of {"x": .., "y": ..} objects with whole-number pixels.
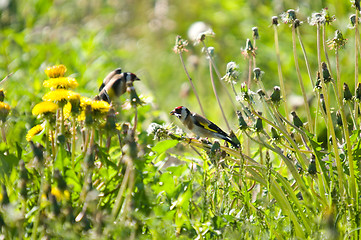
[{"x": 61, "y": 103}]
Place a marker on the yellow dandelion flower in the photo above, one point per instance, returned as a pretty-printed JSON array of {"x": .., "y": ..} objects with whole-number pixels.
[
  {"x": 61, "y": 82},
  {"x": 60, "y": 95},
  {"x": 33, "y": 131},
  {"x": 100, "y": 106},
  {"x": 84, "y": 101},
  {"x": 67, "y": 110},
  {"x": 59, "y": 194},
  {"x": 4, "y": 111},
  {"x": 44, "y": 108},
  {"x": 81, "y": 116},
  {"x": 55, "y": 71}
]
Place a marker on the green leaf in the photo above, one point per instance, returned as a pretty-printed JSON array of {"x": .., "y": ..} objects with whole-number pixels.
[{"x": 164, "y": 146}]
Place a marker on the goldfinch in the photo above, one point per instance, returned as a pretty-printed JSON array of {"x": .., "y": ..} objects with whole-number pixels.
[
  {"x": 115, "y": 84},
  {"x": 200, "y": 126}
]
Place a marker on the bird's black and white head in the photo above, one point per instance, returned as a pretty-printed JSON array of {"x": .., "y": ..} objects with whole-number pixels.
[
  {"x": 130, "y": 77},
  {"x": 180, "y": 112}
]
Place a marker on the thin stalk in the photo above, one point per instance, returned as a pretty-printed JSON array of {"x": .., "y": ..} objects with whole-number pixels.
[
  {"x": 280, "y": 75},
  {"x": 325, "y": 49},
  {"x": 131, "y": 182},
  {"x": 37, "y": 216},
  {"x": 73, "y": 143},
  {"x": 135, "y": 119},
  {"x": 215, "y": 94},
  {"x": 254, "y": 56},
  {"x": 356, "y": 62},
  {"x": 249, "y": 72},
  {"x": 191, "y": 82},
  {"x": 307, "y": 108},
  {"x": 118, "y": 200},
  {"x": 306, "y": 58},
  {"x": 219, "y": 75},
  {"x": 352, "y": 180},
  {"x": 3, "y": 133},
  {"x": 330, "y": 127}
]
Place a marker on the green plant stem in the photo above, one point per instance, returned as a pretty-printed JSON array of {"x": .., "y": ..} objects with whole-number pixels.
[
  {"x": 73, "y": 147},
  {"x": 307, "y": 108},
  {"x": 249, "y": 73},
  {"x": 3, "y": 133},
  {"x": 131, "y": 183},
  {"x": 352, "y": 181},
  {"x": 119, "y": 198},
  {"x": 254, "y": 56},
  {"x": 305, "y": 56},
  {"x": 191, "y": 82},
  {"x": 356, "y": 62},
  {"x": 330, "y": 128},
  {"x": 280, "y": 75},
  {"x": 37, "y": 216},
  {"x": 216, "y": 95},
  {"x": 219, "y": 75}
]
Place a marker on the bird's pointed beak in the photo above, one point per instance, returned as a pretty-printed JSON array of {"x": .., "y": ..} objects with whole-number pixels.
[
  {"x": 137, "y": 79},
  {"x": 172, "y": 112}
]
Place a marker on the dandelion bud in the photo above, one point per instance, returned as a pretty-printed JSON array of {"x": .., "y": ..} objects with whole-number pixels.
[
  {"x": 291, "y": 14},
  {"x": 249, "y": 46},
  {"x": 318, "y": 85},
  {"x": 358, "y": 92},
  {"x": 356, "y": 4},
  {"x": 296, "y": 120},
  {"x": 323, "y": 104},
  {"x": 242, "y": 123},
  {"x": 258, "y": 126},
  {"x": 257, "y": 73},
  {"x": 276, "y": 95},
  {"x": 312, "y": 166},
  {"x": 261, "y": 93},
  {"x": 2, "y": 95},
  {"x": 347, "y": 95},
  {"x": 325, "y": 73},
  {"x": 296, "y": 23},
  {"x": 255, "y": 33},
  {"x": 244, "y": 92},
  {"x": 135, "y": 100},
  {"x": 353, "y": 20},
  {"x": 338, "y": 119},
  {"x": 275, "y": 21},
  {"x": 232, "y": 72},
  {"x": 275, "y": 135},
  {"x": 211, "y": 51}
]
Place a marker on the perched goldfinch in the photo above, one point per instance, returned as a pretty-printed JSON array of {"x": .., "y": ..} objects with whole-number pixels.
[
  {"x": 115, "y": 84},
  {"x": 199, "y": 125}
]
